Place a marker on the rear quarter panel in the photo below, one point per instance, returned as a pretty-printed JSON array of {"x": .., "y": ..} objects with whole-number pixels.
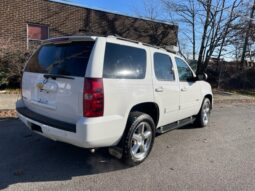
[{"x": 122, "y": 94}]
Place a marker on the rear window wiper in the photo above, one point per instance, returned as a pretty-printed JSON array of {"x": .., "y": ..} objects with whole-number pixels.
[{"x": 54, "y": 76}]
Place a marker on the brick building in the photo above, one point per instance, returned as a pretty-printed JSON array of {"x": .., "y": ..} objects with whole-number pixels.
[{"x": 27, "y": 22}]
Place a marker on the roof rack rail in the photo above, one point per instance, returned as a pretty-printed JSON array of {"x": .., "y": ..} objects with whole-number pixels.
[
  {"x": 125, "y": 39},
  {"x": 171, "y": 48},
  {"x": 153, "y": 46},
  {"x": 134, "y": 41}
]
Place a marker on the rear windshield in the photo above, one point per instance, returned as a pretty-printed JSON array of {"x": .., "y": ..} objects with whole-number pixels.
[{"x": 61, "y": 59}]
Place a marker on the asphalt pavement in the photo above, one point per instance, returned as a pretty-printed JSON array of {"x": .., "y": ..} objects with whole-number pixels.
[{"x": 218, "y": 157}]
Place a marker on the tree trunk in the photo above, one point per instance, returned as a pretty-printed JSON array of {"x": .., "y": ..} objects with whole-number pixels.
[
  {"x": 193, "y": 33},
  {"x": 247, "y": 35},
  {"x": 200, "y": 67}
]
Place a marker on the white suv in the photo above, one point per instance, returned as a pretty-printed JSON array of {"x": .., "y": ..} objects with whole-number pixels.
[{"x": 110, "y": 92}]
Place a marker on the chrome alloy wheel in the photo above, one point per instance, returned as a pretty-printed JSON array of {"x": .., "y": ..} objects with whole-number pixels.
[
  {"x": 206, "y": 112},
  {"x": 141, "y": 141}
]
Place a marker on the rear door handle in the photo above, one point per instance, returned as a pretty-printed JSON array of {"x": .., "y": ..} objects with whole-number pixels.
[
  {"x": 159, "y": 89},
  {"x": 184, "y": 89}
]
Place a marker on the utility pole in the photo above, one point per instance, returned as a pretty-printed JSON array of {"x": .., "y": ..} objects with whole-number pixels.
[{"x": 247, "y": 35}]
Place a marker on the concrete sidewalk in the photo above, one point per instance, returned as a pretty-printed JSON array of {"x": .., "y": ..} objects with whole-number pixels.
[
  {"x": 7, "y": 101},
  {"x": 229, "y": 98}
]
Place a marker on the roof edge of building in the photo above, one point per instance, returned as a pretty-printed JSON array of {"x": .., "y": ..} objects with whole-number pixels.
[{"x": 113, "y": 12}]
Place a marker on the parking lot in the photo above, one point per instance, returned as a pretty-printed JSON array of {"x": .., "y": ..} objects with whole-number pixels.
[{"x": 218, "y": 157}]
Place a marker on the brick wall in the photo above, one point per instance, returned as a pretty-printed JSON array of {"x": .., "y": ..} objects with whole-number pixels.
[{"x": 69, "y": 20}]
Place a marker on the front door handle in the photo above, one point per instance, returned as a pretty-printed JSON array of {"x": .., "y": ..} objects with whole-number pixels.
[
  {"x": 184, "y": 89},
  {"x": 159, "y": 89}
]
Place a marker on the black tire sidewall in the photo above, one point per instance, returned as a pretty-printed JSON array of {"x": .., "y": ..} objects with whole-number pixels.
[
  {"x": 134, "y": 120},
  {"x": 202, "y": 124}
]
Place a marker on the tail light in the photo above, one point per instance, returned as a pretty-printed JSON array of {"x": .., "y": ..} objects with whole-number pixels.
[{"x": 93, "y": 97}]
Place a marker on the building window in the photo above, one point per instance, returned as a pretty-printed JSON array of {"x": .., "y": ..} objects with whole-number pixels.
[{"x": 37, "y": 32}]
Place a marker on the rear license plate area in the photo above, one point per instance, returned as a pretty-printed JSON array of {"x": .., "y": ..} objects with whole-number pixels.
[
  {"x": 35, "y": 127},
  {"x": 42, "y": 97}
]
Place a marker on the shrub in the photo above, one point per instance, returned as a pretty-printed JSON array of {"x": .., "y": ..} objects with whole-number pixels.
[
  {"x": 11, "y": 64},
  {"x": 232, "y": 78},
  {"x": 242, "y": 80}
]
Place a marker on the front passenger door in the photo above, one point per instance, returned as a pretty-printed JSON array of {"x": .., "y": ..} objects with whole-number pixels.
[
  {"x": 189, "y": 90},
  {"x": 166, "y": 88}
]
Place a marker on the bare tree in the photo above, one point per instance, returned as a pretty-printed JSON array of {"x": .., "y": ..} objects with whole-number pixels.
[
  {"x": 224, "y": 41},
  {"x": 210, "y": 23},
  {"x": 205, "y": 37},
  {"x": 187, "y": 14},
  {"x": 242, "y": 35},
  {"x": 247, "y": 34}
]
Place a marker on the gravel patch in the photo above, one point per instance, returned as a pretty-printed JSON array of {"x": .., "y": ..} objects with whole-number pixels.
[{"x": 8, "y": 113}]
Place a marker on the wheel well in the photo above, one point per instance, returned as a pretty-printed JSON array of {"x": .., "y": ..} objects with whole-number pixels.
[
  {"x": 209, "y": 96},
  {"x": 149, "y": 108}
]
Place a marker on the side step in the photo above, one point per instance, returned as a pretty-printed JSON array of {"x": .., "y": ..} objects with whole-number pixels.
[{"x": 176, "y": 125}]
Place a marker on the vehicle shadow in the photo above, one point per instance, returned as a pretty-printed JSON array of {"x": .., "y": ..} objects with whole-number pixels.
[
  {"x": 28, "y": 157},
  {"x": 190, "y": 126}
]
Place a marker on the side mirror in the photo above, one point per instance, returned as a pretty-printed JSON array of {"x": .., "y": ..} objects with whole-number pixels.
[
  {"x": 192, "y": 79},
  {"x": 203, "y": 76}
]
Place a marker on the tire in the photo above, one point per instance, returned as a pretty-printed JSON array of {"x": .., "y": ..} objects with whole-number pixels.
[
  {"x": 202, "y": 119},
  {"x": 138, "y": 139}
]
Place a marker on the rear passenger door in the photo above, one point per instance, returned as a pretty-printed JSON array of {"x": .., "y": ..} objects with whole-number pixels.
[{"x": 166, "y": 88}]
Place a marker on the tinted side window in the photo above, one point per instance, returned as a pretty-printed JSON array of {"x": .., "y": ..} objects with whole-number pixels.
[
  {"x": 124, "y": 62},
  {"x": 163, "y": 67},
  {"x": 61, "y": 59},
  {"x": 184, "y": 71}
]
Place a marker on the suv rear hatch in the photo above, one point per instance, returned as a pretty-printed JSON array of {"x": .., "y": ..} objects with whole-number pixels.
[{"x": 53, "y": 78}]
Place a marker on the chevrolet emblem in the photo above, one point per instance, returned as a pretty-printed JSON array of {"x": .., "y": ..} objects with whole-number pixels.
[{"x": 40, "y": 86}]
